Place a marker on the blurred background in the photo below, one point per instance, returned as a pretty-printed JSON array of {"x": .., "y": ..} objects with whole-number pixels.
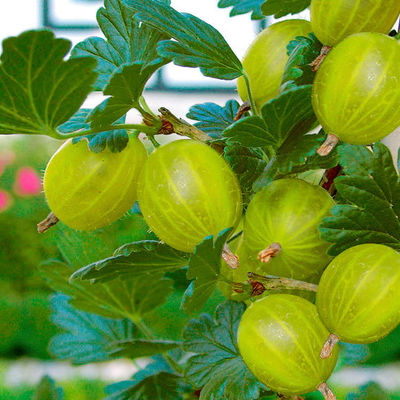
[{"x": 25, "y": 324}]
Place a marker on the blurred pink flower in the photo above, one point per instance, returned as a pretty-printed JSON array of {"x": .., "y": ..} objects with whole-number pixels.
[
  {"x": 28, "y": 182},
  {"x": 5, "y": 200}
]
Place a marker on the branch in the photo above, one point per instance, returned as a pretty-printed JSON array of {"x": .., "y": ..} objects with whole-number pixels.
[
  {"x": 181, "y": 127},
  {"x": 273, "y": 283}
]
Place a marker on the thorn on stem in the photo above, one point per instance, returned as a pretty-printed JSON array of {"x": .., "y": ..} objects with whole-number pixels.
[
  {"x": 330, "y": 142},
  {"x": 326, "y": 392},
  {"x": 47, "y": 223},
  {"x": 330, "y": 343},
  {"x": 271, "y": 251}
]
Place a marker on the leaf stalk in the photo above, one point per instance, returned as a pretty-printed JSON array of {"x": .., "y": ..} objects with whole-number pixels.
[{"x": 251, "y": 99}]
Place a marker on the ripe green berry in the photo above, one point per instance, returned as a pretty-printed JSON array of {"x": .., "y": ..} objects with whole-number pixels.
[
  {"x": 356, "y": 92},
  {"x": 332, "y": 21},
  {"x": 265, "y": 59},
  {"x": 279, "y": 338},
  {"x": 88, "y": 190},
  {"x": 186, "y": 192},
  {"x": 358, "y": 298},
  {"x": 287, "y": 212}
]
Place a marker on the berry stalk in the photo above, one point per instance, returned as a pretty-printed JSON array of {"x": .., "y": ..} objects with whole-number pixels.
[
  {"x": 47, "y": 223},
  {"x": 330, "y": 343},
  {"x": 229, "y": 257},
  {"x": 326, "y": 391}
]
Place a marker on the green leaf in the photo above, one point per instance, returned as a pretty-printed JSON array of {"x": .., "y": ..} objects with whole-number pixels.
[
  {"x": 371, "y": 197},
  {"x": 204, "y": 269},
  {"x": 247, "y": 163},
  {"x": 290, "y": 113},
  {"x": 217, "y": 367},
  {"x": 77, "y": 122},
  {"x": 137, "y": 348},
  {"x": 125, "y": 88},
  {"x": 38, "y": 89},
  {"x": 126, "y": 42},
  {"x": 299, "y": 154},
  {"x": 250, "y": 132},
  {"x": 135, "y": 260},
  {"x": 81, "y": 248},
  {"x": 280, "y": 8},
  {"x": 156, "y": 382},
  {"x": 302, "y": 52},
  {"x": 371, "y": 391},
  {"x": 88, "y": 337},
  {"x": 47, "y": 390},
  {"x": 115, "y": 140},
  {"x": 240, "y": 7},
  {"x": 121, "y": 298},
  {"x": 213, "y": 119},
  {"x": 197, "y": 44}
]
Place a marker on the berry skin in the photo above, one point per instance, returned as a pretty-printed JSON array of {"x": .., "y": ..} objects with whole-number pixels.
[
  {"x": 186, "y": 192},
  {"x": 87, "y": 190},
  {"x": 288, "y": 212},
  {"x": 332, "y": 21},
  {"x": 266, "y": 58},
  {"x": 356, "y": 92},
  {"x": 279, "y": 338},
  {"x": 358, "y": 298}
]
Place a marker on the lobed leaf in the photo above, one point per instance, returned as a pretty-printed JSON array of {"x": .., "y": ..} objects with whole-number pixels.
[
  {"x": 213, "y": 119},
  {"x": 240, "y": 7},
  {"x": 247, "y": 163},
  {"x": 137, "y": 348},
  {"x": 143, "y": 258},
  {"x": 155, "y": 382},
  {"x": 115, "y": 140},
  {"x": 250, "y": 132},
  {"x": 371, "y": 197},
  {"x": 88, "y": 337},
  {"x": 47, "y": 390},
  {"x": 204, "y": 268},
  {"x": 280, "y": 8},
  {"x": 370, "y": 391},
  {"x": 127, "y": 41},
  {"x": 124, "y": 88},
  {"x": 38, "y": 89},
  {"x": 290, "y": 113},
  {"x": 299, "y": 154},
  {"x": 121, "y": 298},
  {"x": 196, "y": 44},
  {"x": 302, "y": 52},
  {"x": 79, "y": 248},
  {"x": 216, "y": 366}
]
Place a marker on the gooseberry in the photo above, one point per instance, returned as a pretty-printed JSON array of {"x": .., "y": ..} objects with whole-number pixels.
[
  {"x": 265, "y": 59},
  {"x": 358, "y": 298},
  {"x": 279, "y": 339},
  {"x": 332, "y": 21},
  {"x": 281, "y": 229},
  {"x": 88, "y": 190},
  {"x": 356, "y": 91},
  {"x": 186, "y": 192}
]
